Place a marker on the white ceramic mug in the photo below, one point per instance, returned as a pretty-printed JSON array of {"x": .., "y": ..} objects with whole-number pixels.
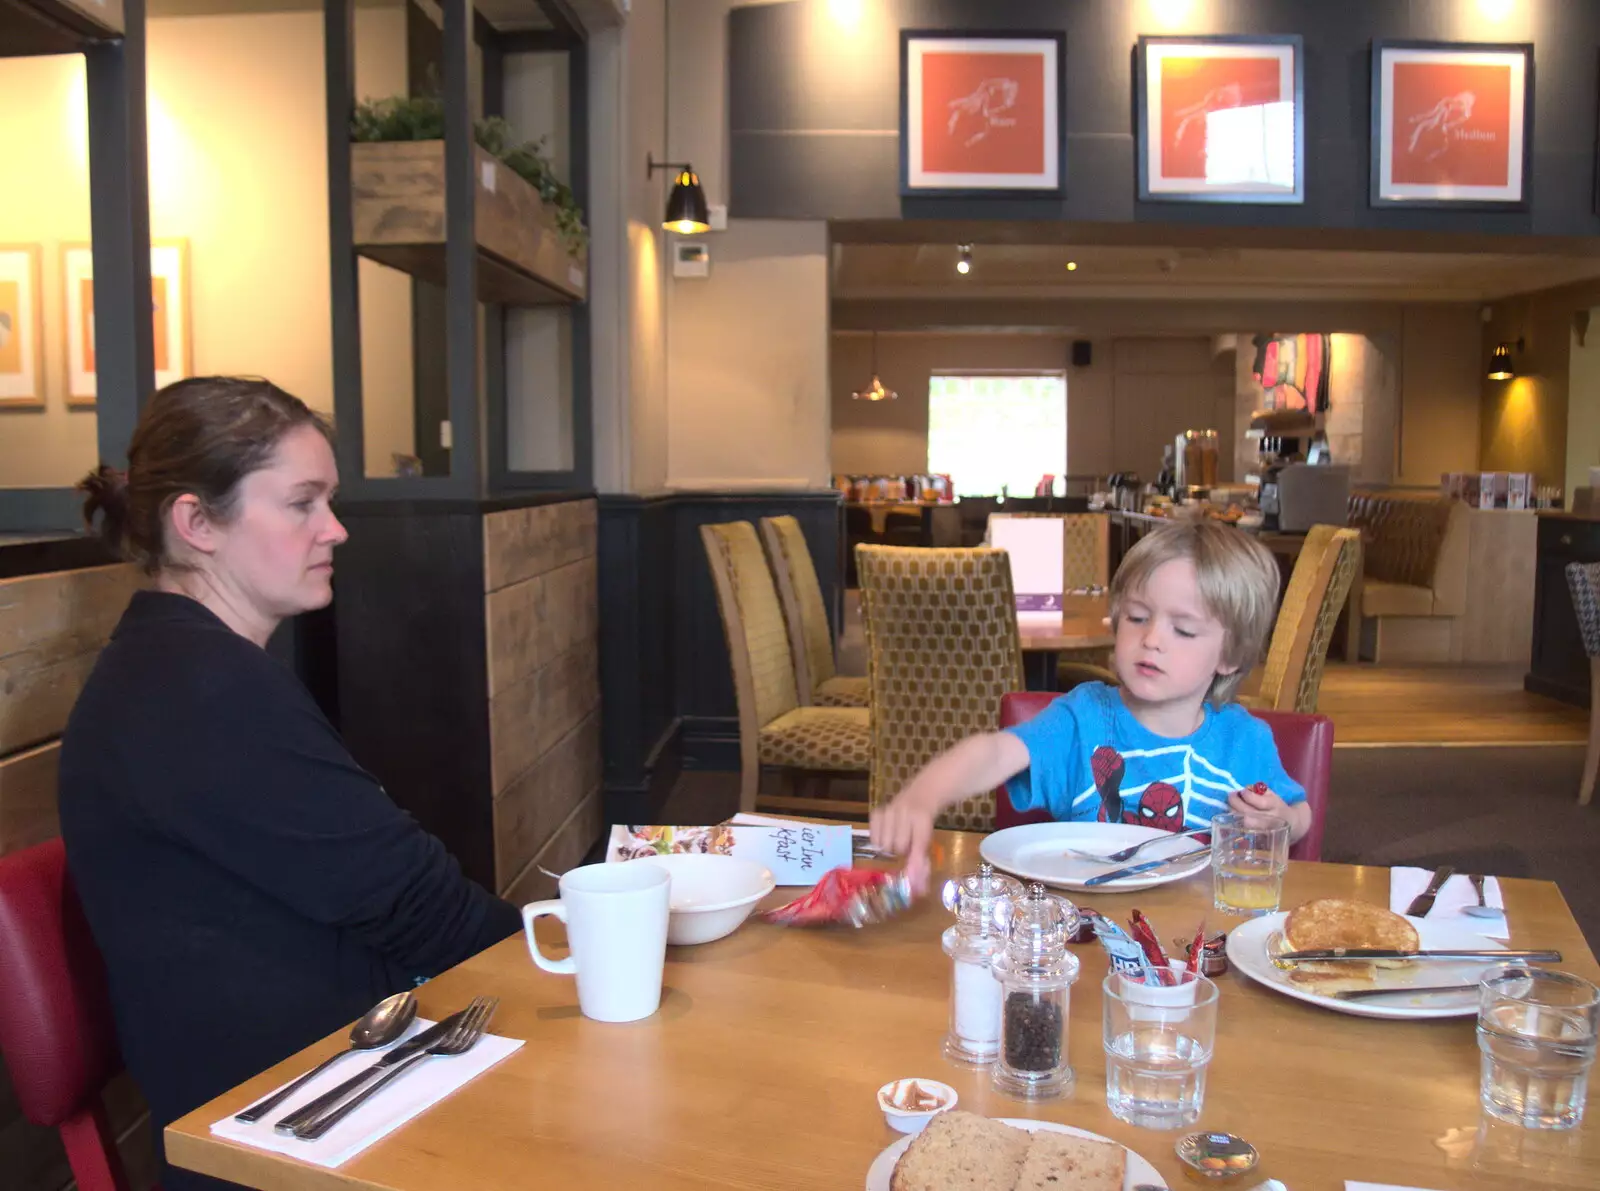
[{"x": 616, "y": 916}]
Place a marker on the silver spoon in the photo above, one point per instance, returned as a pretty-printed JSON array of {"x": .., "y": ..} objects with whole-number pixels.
[
  {"x": 1483, "y": 909},
  {"x": 379, "y": 1026}
]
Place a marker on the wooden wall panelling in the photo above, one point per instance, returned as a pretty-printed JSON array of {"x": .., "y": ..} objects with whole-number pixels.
[
  {"x": 566, "y": 849},
  {"x": 529, "y": 812},
  {"x": 413, "y": 682},
  {"x": 1502, "y": 556},
  {"x": 28, "y": 797},
  {"x": 52, "y": 628},
  {"x": 639, "y": 727},
  {"x": 521, "y": 543}
]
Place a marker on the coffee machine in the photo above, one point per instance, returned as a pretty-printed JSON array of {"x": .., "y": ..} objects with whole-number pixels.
[{"x": 1296, "y": 494}]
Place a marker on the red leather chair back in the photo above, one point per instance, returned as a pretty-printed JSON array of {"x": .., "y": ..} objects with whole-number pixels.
[
  {"x": 1305, "y": 744},
  {"x": 56, "y": 1028}
]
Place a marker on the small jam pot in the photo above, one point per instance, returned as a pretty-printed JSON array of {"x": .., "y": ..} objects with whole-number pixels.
[
  {"x": 1217, "y": 1155},
  {"x": 900, "y": 1103},
  {"x": 1214, "y": 957}
]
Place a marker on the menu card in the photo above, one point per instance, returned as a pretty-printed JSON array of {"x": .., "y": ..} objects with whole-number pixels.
[
  {"x": 1035, "y": 546},
  {"x": 797, "y": 853}
]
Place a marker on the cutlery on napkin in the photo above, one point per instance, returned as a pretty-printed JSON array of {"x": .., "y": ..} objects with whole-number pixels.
[
  {"x": 380, "y": 1116},
  {"x": 1456, "y": 893}
]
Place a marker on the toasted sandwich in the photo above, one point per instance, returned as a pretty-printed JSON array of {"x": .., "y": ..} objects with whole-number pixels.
[{"x": 1332, "y": 922}]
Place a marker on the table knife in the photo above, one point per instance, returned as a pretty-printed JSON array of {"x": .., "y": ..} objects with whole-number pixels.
[
  {"x": 1132, "y": 870},
  {"x": 1362, "y": 994},
  {"x": 399, "y": 1054},
  {"x": 1337, "y": 953},
  {"x": 1422, "y": 904}
]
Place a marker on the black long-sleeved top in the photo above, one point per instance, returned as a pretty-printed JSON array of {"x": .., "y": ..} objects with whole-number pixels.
[{"x": 251, "y": 887}]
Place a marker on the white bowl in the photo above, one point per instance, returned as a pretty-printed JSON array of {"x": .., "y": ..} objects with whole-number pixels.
[
  {"x": 904, "y": 1120},
  {"x": 711, "y": 895}
]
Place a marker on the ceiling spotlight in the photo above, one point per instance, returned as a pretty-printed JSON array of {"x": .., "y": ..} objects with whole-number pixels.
[
  {"x": 1072, "y": 266},
  {"x": 964, "y": 263}
]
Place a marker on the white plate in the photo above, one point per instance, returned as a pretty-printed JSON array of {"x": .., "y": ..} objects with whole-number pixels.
[
  {"x": 1139, "y": 1171},
  {"x": 1247, "y": 951},
  {"x": 1038, "y": 852}
]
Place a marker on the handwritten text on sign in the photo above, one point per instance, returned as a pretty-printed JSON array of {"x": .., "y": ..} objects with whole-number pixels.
[{"x": 797, "y": 855}]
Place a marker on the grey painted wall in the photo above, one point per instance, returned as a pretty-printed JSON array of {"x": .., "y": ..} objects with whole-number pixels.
[{"x": 814, "y": 108}]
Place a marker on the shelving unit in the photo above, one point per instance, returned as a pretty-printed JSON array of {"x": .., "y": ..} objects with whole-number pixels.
[{"x": 29, "y": 27}]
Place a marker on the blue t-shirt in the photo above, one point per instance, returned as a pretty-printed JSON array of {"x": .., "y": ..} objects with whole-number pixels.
[{"x": 1089, "y": 759}]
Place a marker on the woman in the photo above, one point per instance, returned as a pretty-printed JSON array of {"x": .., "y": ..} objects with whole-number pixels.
[{"x": 251, "y": 887}]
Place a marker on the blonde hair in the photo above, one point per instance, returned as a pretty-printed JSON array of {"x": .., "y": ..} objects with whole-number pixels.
[{"x": 1238, "y": 579}]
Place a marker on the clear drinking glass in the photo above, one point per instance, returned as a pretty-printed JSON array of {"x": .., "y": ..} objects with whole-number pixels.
[
  {"x": 1536, "y": 1036},
  {"x": 1158, "y": 1043},
  {"x": 1248, "y": 857}
]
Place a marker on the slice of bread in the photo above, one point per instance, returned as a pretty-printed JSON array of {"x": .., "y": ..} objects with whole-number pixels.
[
  {"x": 961, "y": 1151},
  {"x": 1332, "y": 922},
  {"x": 1061, "y": 1162}
]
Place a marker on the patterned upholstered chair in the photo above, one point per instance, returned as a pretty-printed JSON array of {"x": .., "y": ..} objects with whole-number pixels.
[
  {"x": 1298, "y": 654},
  {"x": 942, "y": 647},
  {"x": 810, "y": 639},
  {"x": 774, "y": 729},
  {"x": 1584, "y": 580}
]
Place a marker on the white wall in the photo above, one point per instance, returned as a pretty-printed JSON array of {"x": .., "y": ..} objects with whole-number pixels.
[
  {"x": 1583, "y": 408},
  {"x": 747, "y": 348},
  {"x": 237, "y": 168}
]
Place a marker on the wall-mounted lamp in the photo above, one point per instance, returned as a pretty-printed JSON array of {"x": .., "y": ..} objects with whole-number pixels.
[
  {"x": 687, "y": 213},
  {"x": 875, "y": 391},
  {"x": 1500, "y": 363},
  {"x": 964, "y": 261}
]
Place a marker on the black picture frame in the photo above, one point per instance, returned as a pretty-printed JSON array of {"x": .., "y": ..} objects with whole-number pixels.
[
  {"x": 1057, "y": 189},
  {"x": 1142, "y": 114},
  {"x": 1377, "y": 196}
]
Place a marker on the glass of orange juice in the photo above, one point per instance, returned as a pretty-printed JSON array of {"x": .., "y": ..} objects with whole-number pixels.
[{"x": 1249, "y": 855}]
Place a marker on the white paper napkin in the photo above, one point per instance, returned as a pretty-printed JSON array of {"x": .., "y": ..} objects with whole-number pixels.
[
  {"x": 1406, "y": 883},
  {"x": 420, "y": 1088}
]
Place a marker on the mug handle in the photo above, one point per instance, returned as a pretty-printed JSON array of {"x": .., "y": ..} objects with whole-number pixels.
[{"x": 557, "y": 909}]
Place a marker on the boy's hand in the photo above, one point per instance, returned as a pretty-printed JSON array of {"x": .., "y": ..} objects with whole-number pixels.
[
  {"x": 905, "y": 827},
  {"x": 1261, "y": 807}
]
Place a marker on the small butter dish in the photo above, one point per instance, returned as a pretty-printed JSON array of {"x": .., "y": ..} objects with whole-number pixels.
[
  {"x": 1216, "y": 1156},
  {"x": 909, "y": 1104}
]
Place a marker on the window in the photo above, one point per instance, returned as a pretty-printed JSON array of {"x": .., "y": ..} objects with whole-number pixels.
[{"x": 997, "y": 431}]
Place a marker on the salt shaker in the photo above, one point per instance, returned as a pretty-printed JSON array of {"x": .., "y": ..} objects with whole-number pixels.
[
  {"x": 1036, "y": 974},
  {"x": 975, "y": 899}
]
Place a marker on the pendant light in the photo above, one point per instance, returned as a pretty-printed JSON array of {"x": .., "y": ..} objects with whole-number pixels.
[
  {"x": 875, "y": 391},
  {"x": 687, "y": 213}
]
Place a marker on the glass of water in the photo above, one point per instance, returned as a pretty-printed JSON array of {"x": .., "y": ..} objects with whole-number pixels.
[
  {"x": 1536, "y": 1036},
  {"x": 1158, "y": 1042},
  {"x": 1249, "y": 855}
]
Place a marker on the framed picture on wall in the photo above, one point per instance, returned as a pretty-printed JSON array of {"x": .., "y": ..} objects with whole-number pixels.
[
  {"x": 981, "y": 114},
  {"x": 1221, "y": 119},
  {"x": 1452, "y": 125},
  {"x": 21, "y": 328},
  {"x": 169, "y": 295}
]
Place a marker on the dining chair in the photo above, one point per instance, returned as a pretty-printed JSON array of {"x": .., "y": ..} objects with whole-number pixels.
[
  {"x": 810, "y": 639},
  {"x": 1584, "y": 580},
  {"x": 1305, "y": 746},
  {"x": 807, "y": 743},
  {"x": 56, "y": 1028},
  {"x": 942, "y": 647},
  {"x": 1291, "y": 676}
]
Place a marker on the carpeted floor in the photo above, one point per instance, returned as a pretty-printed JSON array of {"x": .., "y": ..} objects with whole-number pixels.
[{"x": 1508, "y": 812}]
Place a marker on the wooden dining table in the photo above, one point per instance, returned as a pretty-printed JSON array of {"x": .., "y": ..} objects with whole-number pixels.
[
  {"x": 761, "y": 1068},
  {"x": 1081, "y": 624}
]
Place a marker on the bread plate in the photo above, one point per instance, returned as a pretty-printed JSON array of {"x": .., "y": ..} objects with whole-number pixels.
[
  {"x": 1247, "y": 952},
  {"x": 1140, "y": 1172},
  {"x": 1038, "y": 852}
]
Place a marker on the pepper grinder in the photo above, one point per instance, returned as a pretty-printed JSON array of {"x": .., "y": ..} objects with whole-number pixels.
[
  {"x": 1036, "y": 974},
  {"x": 975, "y": 939}
]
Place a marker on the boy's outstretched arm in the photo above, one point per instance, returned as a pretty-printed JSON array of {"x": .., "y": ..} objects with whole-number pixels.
[{"x": 978, "y": 763}]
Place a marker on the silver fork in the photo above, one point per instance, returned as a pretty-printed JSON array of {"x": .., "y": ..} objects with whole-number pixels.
[
  {"x": 1129, "y": 853},
  {"x": 458, "y": 1041}
]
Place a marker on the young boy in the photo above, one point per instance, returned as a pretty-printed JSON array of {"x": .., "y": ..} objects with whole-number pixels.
[{"x": 1191, "y": 607}]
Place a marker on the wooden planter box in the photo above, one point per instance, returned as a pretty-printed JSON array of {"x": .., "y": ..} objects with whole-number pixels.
[{"x": 398, "y": 203}]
